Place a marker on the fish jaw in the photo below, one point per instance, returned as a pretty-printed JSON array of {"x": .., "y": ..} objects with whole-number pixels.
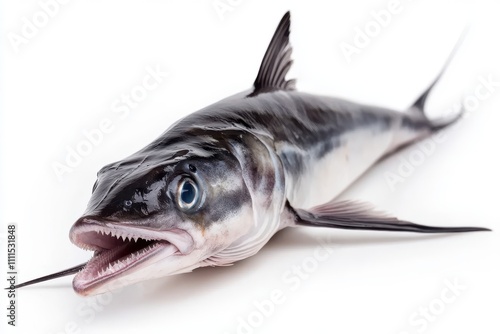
[{"x": 125, "y": 254}]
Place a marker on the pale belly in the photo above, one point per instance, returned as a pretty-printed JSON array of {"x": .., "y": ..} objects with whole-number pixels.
[{"x": 325, "y": 178}]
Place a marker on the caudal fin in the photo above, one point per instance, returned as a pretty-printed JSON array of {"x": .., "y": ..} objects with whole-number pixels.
[{"x": 419, "y": 105}]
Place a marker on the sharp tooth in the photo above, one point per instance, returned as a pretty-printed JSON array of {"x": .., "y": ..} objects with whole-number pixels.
[
  {"x": 135, "y": 238},
  {"x": 118, "y": 265}
]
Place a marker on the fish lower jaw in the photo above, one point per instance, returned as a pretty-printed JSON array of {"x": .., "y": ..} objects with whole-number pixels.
[{"x": 113, "y": 266}]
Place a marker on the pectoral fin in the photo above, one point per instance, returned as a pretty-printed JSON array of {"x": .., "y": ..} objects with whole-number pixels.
[{"x": 354, "y": 215}]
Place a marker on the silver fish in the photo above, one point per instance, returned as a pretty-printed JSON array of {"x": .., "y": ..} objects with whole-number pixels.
[{"x": 218, "y": 184}]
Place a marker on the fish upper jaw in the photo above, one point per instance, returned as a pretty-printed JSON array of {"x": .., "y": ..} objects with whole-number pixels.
[
  {"x": 122, "y": 252},
  {"x": 93, "y": 234}
]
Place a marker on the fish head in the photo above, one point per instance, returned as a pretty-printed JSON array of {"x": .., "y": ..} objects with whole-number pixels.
[{"x": 150, "y": 217}]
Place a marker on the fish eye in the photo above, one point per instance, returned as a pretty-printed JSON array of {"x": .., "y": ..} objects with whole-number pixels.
[
  {"x": 187, "y": 194},
  {"x": 127, "y": 203}
]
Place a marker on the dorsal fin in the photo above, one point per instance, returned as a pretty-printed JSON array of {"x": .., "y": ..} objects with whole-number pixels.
[{"x": 276, "y": 62}]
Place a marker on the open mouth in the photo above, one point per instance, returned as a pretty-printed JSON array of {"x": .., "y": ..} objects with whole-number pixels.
[{"x": 117, "y": 249}]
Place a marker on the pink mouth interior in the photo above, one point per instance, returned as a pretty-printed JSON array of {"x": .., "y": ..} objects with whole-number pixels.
[{"x": 113, "y": 256}]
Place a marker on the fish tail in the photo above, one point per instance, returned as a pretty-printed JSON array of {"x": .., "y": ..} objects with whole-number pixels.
[{"x": 419, "y": 105}]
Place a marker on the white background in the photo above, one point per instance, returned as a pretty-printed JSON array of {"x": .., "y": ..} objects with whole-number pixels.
[{"x": 64, "y": 80}]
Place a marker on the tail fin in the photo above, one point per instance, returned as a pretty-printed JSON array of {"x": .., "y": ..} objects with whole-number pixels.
[{"x": 419, "y": 105}]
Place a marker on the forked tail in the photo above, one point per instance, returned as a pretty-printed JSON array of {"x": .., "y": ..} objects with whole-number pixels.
[{"x": 419, "y": 105}]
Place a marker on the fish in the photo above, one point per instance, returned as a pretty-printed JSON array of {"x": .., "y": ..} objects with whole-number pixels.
[{"x": 218, "y": 184}]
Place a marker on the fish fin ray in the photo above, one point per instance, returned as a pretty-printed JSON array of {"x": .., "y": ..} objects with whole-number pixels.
[
  {"x": 276, "y": 62},
  {"x": 356, "y": 215}
]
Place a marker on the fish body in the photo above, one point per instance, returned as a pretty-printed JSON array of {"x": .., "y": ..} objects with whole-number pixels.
[
  {"x": 219, "y": 183},
  {"x": 322, "y": 143}
]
